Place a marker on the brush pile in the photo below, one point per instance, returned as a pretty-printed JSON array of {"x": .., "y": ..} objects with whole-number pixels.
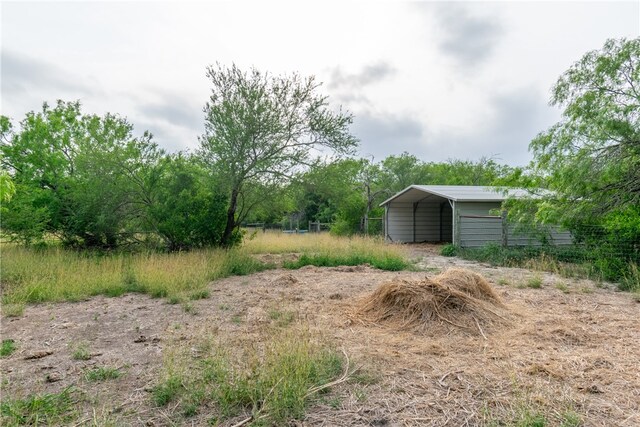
[{"x": 456, "y": 298}]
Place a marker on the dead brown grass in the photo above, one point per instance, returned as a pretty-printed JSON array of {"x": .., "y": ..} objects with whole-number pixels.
[
  {"x": 286, "y": 279},
  {"x": 456, "y": 298}
]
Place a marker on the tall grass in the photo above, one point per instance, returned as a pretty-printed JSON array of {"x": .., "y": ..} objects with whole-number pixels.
[
  {"x": 567, "y": 261},
  {"x": 325, "y": 250},
  {"x": 32, "y": 275},
  {"x": 273, "y": 382},
  {"x": 56, "y": 274}
]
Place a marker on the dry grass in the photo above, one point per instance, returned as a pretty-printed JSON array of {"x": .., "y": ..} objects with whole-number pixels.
[
  {"x": 564, "y": 360},
  {"x": 459, "y": 298},
  {"x": 318, "y": 243},
  {"x": 55, "y": 274},
  {"x": 268, "y": 379}
]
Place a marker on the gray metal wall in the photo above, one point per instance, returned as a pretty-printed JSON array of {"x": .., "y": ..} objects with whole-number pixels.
[{"x": 476, "y": 232}]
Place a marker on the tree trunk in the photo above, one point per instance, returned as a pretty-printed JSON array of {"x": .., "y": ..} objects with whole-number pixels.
[{"x": 231, "y": 219}]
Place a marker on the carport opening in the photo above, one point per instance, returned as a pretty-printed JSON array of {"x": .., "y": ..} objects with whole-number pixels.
[
  {"x": 433, "y": 220},
  {"x": 419, "y": 217}
]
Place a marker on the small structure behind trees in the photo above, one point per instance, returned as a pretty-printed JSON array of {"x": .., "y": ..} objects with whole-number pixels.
[{"x": 467, "y": 216}]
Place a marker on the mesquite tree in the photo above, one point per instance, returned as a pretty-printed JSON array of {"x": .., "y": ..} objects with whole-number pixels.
[{"x": 259, "y": 128}]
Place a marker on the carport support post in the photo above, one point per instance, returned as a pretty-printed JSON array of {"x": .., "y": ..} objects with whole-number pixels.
[
  {"x": 415, "y": 207},
  {"x": 505, "y": 229},
  {"x": 441, "y": 210},
  {"x": 455, "y": 220},
  {"x": 385, "y": 224}
]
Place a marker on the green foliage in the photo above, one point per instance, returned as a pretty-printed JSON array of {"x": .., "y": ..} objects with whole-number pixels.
[
  {"x": 590, "y": 159},
  {"x": 449, "y": 250},
  {"x": 88, "y": 181},
  {"x": 76, "y": 176},
  {"x": 346, "y": 191},
  {"x": 186, "y": 210},
  {"x": 39, "y": 409},
  {"x": 259, "y": 128},
  {"x": 568, "y": 261},
  {"x": 7, "y": 348},
  {"x": 7, "y": 187}
]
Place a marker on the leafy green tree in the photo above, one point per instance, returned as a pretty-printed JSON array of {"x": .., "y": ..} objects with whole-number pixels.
[
  {"x": 404, "y": 170},
  {"x": 7, "y": 187},
  {"x": 591, "y": 158},
  {"x": 80, "y": 177},
  {"x": 589, "y": 162},
  {"x": 262, "y": 128},
  {"x": 39, "y": 156},
  {"x": 185, "y": 210}
]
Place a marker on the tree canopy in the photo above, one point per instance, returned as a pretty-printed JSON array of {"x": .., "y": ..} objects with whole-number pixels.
[
  {"x": 89, "y": 181},
  {"x": 591, "y": 158},
  {"x": 260, "y": 128},
  {"x": 589, "y": 162}
]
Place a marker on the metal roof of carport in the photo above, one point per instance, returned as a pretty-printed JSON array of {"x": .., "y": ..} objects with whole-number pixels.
[{"x": 457, "y": 193}]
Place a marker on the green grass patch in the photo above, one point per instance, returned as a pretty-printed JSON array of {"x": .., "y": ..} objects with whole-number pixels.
[
  {"x": 282, "y": 318},
  {"x": 188, "y": 307},
  {"x": 167, "y": 391},
  {"x": 7, "y": 348},
  {"x": 39, "y": 409},
  {"x": 102, "y": 373},
  {"x": 202, "y": 294},
  {"x": 52, "y": 273},
  {"x": 534, "y": 282},
  {"x": 504, "y": 282},
  {"x": 384, "y": 262},
  {"x": 13, "y": 310}
]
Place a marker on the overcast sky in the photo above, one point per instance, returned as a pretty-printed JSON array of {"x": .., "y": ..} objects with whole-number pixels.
[{"x": 437, "y": 79}]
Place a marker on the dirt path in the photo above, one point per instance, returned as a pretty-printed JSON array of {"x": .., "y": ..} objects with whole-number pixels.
[{"x": 573, "y": 351}]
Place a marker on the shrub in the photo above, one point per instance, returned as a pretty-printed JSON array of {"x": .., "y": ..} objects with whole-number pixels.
[{"x": 449, "y": 250}]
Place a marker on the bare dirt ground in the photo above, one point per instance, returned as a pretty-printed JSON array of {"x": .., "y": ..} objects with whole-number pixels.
[{"x": 572, "y": 351}]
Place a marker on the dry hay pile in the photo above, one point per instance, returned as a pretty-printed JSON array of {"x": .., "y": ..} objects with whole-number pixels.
[{"x": 456, "y": 298}]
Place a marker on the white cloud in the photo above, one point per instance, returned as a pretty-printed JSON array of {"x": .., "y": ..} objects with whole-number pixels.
[{"x": 435, "y": 79}]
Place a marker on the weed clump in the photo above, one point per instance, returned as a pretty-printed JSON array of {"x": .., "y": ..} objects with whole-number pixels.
[
  {"x": 7, "y": 348},
  {"x": 272, "y": 386},
  {"x": 457, "y": 297},
  {"x": 449, "y": 250}
]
